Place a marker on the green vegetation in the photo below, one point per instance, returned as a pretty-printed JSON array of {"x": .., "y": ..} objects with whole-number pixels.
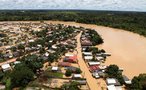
[
  {"x": 71, "y": 86},
  {"x": 95, "y": 38},
  {"x": 139, "y": 83},
  {"x": 68, "y": 73},
  {"x": 8, "y": 84},
  {"x": 33, "y": 62},
  {"x": 131, "y": 21},
  {"x": 21, "y": 76},
  {"x": 78, "y": 71},
  {"x": 50, "y": 74}
]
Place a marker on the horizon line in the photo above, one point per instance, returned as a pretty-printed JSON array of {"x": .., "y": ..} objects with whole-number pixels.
[{"x": 71, "y": 10}]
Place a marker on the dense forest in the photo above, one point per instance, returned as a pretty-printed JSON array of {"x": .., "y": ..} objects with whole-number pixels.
[{"x": 131, "y": 21}]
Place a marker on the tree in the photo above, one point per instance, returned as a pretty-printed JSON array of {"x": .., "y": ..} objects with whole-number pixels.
[
  {"x": 33, "y": 62},
  {"x": 13, "y": 48},
  {"x": 112, "y": 70},
  {"x": 68, "y": 73},
  {"x": 1, "y": 75},
  {"x": 139, "y": 83},
  {"x": 94, "y": 50},
  {"x": 8, "y": 84},
  {"x": 78, "y": 71},
  {"x": 21, "y": 47},
  {"x": 21, "y": 75},
  {"x": 136, "y": 84}
]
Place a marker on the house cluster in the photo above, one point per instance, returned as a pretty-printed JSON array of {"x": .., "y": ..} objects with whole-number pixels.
[
  {"x": 114, "y": 84},
  {"x": 47, "y": 41},
  {"x": 85, "y": 41},
  {"x": 23, "y": 39},
  {"x": 95, "y": 62},
  {"x": 69, "y": 62}
]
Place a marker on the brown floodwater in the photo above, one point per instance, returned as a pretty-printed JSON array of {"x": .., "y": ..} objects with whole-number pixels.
[{"x": 128, "y": 49}]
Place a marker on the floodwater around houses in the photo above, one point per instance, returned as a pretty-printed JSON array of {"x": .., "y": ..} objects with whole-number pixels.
[{"x": 128, "y": 49}]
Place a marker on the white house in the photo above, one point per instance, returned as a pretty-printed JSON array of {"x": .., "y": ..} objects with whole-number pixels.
[
  {"x": 77, "y": 76},
  {"x": 111, "y": 87},
  {"x": 93, "y": 63},
  {"x": 55, "y": 68},
  {"x": 87, "y": 53},
  {"x": 69, "y": 54},
  {"x": 88, "y": 57},
  {"x": 99, "y": 58},
  {"x": 127, "y": 80},
  {"x": 112, "y": 81},
  {"x": 6, "y": 67}
]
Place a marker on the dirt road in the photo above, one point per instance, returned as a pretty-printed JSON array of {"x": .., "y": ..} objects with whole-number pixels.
[{"x": 92, "y": 82}]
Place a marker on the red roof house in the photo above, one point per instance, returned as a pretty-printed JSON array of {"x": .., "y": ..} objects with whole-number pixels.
[
  {"x": 71, "y": 59},
  {"x": 64, "y": 64},
  {"x": 94, "y": 68}
]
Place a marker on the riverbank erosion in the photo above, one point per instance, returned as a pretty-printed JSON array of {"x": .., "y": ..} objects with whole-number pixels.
[{"x": 128, "y": 49}]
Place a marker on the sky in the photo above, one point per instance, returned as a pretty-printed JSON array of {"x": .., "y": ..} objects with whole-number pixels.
[{"x": 116, "y": 5}]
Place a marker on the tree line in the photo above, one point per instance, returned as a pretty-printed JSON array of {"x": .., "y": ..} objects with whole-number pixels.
[{"x": 131, "y": 21}]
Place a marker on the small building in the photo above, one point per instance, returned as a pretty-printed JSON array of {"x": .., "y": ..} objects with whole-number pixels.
[
  {"x": 95, "y": 75},
  {"x": 102, "y": 67},
  {"x": 16, "y": 54},
  {"x": 69, "y": 54},
  {"x": 55, "y": 69},
  {"x": 106, "y": 54},
  {"x": 17, "y": 62},
  {"x": 86, "y": 43},
  {"x": 127, "y": 80},
  {"x": 71, "y": 68},
  {"x": 31, "y": 40},
  {"x": 54, "y": 47},
  {"x": 6, "y": 67},
  {"x": 87, "y": 53},
  {"x": 77, "y": 76},
  {"x": 64, "y": 64},
  {"x": 99, "y": 58},
  {"x": 71, "y": 59},
  {"x": 88, "y": 58},
  {"x": 2, "y": 87},
  {"x": 94, "y": 68},
  {"x": 112, "y": 81},
  {"x": 46, "y": 54},
  {"x": 93, "y": 63},
  {"x": 111, "y": 87}
]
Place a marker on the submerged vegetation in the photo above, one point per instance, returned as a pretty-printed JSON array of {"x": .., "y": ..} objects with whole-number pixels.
[
  {"x": 95, "y": 37},
  {"x": 131, "y": 21}
]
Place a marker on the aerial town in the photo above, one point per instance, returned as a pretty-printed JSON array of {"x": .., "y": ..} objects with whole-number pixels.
[{"x": 46, "y": 56}]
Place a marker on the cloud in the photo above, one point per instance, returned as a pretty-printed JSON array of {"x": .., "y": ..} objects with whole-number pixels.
[{"x": 124, "y": 5}]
